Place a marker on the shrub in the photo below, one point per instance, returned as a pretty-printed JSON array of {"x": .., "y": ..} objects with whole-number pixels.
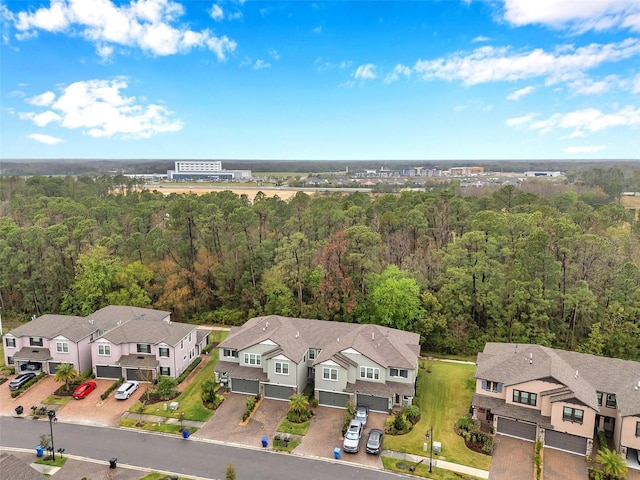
[
  {"x": 250, "y": 403},
  {"x": 113, "y": 386},
  {"x": 412, "y": 414},
  {"x": 167, "y": 388},
  {"x": 465, "y": 423},
  {"x": 189, "y": 369},
  {"x": 399, "y": 423}
]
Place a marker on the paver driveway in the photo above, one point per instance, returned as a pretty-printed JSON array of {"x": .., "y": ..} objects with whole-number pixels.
[
  {"x": 225, "y": 425},
  {"x": 564, "y": 466},
  {"x": 31, "y": 397},
  {"x": 512, "y": 459}
]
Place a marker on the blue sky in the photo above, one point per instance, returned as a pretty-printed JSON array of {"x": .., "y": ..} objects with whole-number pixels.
[{"x": 406, "y": 80}]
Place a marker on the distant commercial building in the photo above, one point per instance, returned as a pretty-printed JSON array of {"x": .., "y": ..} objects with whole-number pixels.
[
  {"x": 205, "y": 170},
  {"x": 463, "y": 171},
  {"x": 539, "y": 173}
]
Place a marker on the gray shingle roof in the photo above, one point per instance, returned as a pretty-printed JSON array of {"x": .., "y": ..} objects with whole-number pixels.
[
  {"x": 109, "y": 316},
  {"x": 386, "y": 346},
  {"x": 50, "y": 326},
  {"x": 149, "y": 330},
  {"x": 15, "y": 469},
  {"x": 512, "y": 364}
]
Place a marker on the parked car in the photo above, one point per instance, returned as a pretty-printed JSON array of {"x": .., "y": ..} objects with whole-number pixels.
[
  {"x": 353, "y": 437},
  {"x": 84, "y": 389},
  {"x": 362, "y": 414},
  {"x": 126, "y": 389},
  {"x": 19, "y": 382},
  {"x": 31, "y": 366},
  {"x": 374, "y": 442}
]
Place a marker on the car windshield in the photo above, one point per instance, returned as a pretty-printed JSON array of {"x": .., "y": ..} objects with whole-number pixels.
[{"x": 351, "y": 435}]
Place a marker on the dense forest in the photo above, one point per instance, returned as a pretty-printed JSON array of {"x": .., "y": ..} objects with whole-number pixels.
[{"x": 560, "y": 268}]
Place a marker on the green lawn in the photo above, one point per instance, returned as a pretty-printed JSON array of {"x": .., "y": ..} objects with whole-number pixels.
[
  {"x": 156, "y": 427},
  {"x": 422, "y": 470},
  {"x": 56, "y": 400},
  {"x": 295, "y": 428},
  {"x": 189, "y": 399},
  {"x": 159, "y": 476},
  {"x": 444, "y": 395}
]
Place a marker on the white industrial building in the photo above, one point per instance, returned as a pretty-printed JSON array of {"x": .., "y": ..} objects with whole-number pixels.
[{"x": 205, "y": 170}]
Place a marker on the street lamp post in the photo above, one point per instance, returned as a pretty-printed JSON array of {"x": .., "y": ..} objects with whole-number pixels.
[
  {"x": 429, "y": 436},
  {"x": 52, "y": 418}
]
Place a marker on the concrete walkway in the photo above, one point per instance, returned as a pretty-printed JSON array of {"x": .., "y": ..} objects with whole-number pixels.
[{"x": 454, "y": 467}]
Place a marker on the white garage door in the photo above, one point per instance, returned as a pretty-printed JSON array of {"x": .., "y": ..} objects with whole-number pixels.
[{"x": 513, "y": 428}]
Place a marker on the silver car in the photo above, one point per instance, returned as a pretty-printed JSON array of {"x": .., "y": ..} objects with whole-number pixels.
[
  {"x": 353, "y": 437},
  {"x": 126, "y": 389}
]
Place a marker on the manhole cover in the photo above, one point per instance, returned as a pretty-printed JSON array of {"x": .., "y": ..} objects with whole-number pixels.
[{"x": 401, "y": 465}]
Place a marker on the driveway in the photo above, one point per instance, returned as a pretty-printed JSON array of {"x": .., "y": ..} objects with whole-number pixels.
[
  {"x": 325, "y": 434},
  {"x": 564, "y": 466},
  {"x": 32, "y": 397},
  {"x": 226, "y": 424},
  {"x": 512, "y": 458}
]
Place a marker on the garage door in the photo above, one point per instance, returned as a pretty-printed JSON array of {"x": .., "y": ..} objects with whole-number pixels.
[
  {"x": 140, "y": 374},
  {"x": 240, "y": 385},
  {"x": 513, "y": 428},
  {"x": 566, "y": 442},
  {"x": 333, "y": 399},
  {"x": 279, "y": 392},
  {"x": 105, "y": 371},
  {"x": 378, "y": 404},
  {"x": 53, "y": 366}
]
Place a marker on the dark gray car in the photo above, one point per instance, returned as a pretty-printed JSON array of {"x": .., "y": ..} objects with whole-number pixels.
[
  {"x": 374, "y": 442},
  {"x": 21, "y": 380}
]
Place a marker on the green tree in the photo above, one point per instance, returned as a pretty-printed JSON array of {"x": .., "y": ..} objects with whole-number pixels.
[
  {"x": 298, "y": 404},
  {"x": 65, "y": 372},
  {"x": 613, "y": 464},
  {"x": 167, "y": 388}
]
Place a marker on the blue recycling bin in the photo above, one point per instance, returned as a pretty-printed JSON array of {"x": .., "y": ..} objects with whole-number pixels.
[
  {"x": 39, "y": 451},
  {"x": 336, "y": 453},
  {"x": 265, "y": 441},
  {"x": 185, "y": 433}
]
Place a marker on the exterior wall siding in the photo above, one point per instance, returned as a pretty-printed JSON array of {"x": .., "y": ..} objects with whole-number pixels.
[
  {"x": 278, "y": 378},
  {"x": 536, "y": 387},
  {"x": 339, "y": 385},
  {"x": 584, "y": 429},
  {"x": 628, "y": 432}
]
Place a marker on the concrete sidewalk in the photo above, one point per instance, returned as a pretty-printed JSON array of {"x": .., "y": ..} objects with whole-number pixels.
[{"x": 454, "y": 467}]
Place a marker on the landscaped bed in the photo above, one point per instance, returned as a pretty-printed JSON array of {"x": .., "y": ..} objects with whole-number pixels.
[{"x": 444, "y": 394}]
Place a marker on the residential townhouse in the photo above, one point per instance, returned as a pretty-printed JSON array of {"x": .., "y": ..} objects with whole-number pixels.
[
  {"x": 279, "y": 356},
  {"x": 115, "y": 341},
  {"x": 561, "y": 398}
]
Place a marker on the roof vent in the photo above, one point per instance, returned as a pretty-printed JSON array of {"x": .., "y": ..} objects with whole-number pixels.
[
  {"x": 266, "y": 325},
  {"x": 531, "y": 359},
  {"x": 33, "y": 317},
  {"x": 576, "y": 376},
  {"x": 373, "y": 336},
  {"x": 91, "y": 321},
  {"x": 298, "y": 334},
  {"x": 140, "y": 357},
  {"x": 338, "y": 340},
  {"x": 516, "y": 349}
]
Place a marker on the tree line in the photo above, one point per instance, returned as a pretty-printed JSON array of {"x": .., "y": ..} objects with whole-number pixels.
[{"x": 508, "y": 265}]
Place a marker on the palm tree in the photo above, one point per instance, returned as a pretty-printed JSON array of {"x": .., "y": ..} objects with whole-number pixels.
[
  {"x": 613, "y": 465},
  {"x": 298, "y": 404},
  {"x": 65, "y": 373}
]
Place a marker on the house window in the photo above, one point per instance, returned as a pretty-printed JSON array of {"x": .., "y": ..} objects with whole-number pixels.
[
  {"x": 62, "y": 347},
  {"x": 228, "y": 352},
  {"x": 525, "y": 397},
  {"x": 330, "y": 374},
  {"x": 599, "y": 396},
  {"x": 282, "y": 368},
  {"x": 490, "y": 386},
  {"x": 189, "y": 339},
  {"x": 104, "y": 350},
  {"x": 312, "y": 354},
  {"x": 10, "y": 342},
  {"x": 192, "y": 353},
  {"x": 252, "y": 359},
  {"x": 572, "y": 414},
  {"x": 36, "y": 342},
  {"x": 399, "y": 372},
  {"x": 165, "y": 371},
  {"x": 637, "y": 429},
  {"x": 182, "y": 344},
  {"x": 163, "y": 352},
  {"x": 611, "y": 400},
  {"x": 370, "y": 373},
  {"x": 9, "y": 360},
  {"x": 144, "y": 348}
]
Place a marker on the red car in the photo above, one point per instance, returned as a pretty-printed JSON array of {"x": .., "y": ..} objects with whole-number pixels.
[{"x": 84, "y": 389}]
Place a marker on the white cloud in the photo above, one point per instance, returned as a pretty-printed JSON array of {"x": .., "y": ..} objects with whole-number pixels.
[
  {"x": 48, "y": 139},
  {"x": 150, "y": 25},
  {"x": 274, "y": 54},
  {"x": 587, "y": 86},
  {"x": 365, "y": 72},
  {"x": 398, "y": 71},
  {"x": 98, "y": 109},
  {"x": 480, "y": 38},
  {"x": 635, "y": 88},
  {"x": 579, "y": 16},
  {"x": 520, "y": 93},
  {"x": 317, "y": 30},
  {"x": 492, "y": 64},
  {"x": 523, "y": 120},
  {"x": 260, "y": 64},
  {"x": 322, "y": 64},
  {"x": 585, "y": 149},
  {"x": 42, "y": 100},
  {"x": 588, "y": 120},
  {"x": 216, "y": 12}
]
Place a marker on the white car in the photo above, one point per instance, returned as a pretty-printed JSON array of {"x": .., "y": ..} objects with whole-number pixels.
[{"x": 126, "y": 389}]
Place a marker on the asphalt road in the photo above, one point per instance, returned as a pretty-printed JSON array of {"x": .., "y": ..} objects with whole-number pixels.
[{"x": 175, "y": 454}]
